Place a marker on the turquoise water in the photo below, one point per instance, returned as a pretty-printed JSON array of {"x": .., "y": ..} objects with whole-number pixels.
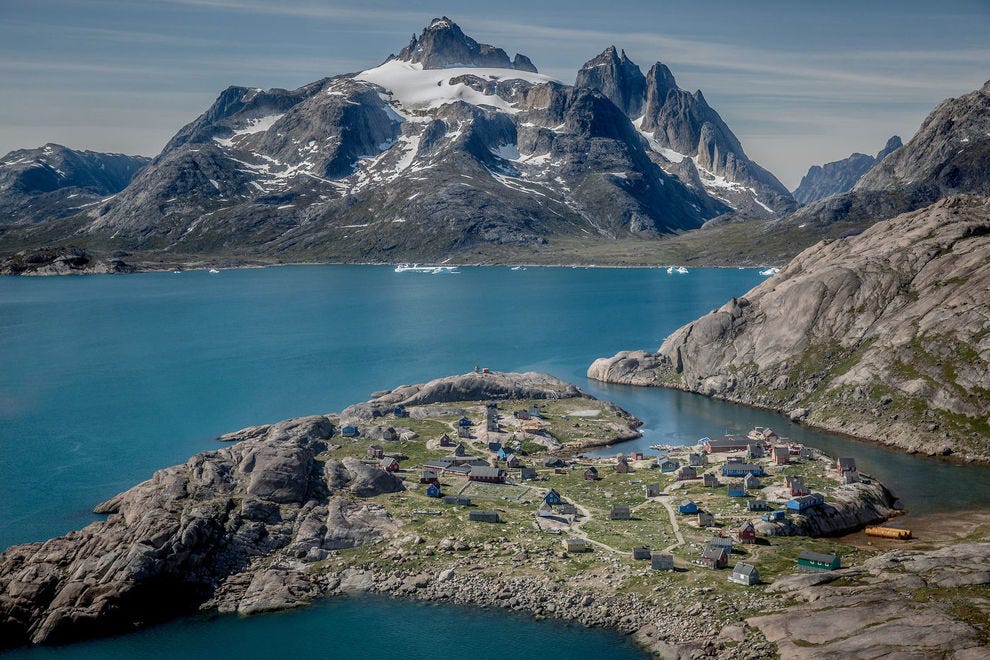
[{"x": 104, "y": 379}]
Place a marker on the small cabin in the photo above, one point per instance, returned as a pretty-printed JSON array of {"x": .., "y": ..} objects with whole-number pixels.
[
  {"x": 552, "y": 497},
  {"x": 464, "y": 432},
  {"x": 620, "y": 512},
  {"x": 697, "y": 460},
  {"x": 745, "y": 574},
  {"x": 805, "y": 502},
  {"x": 591, "y": 474},
  {"x": 459, "y": 450},
  {"x": 845, "y": 464},
  {"x": 817, "y": 561},
  {"x": 445, "y": 441},
  {"x": 747, "y": 533},
  {"x": 576, "y": 545},
  {"x": 464, "y": 421},
  {"x": 487, "y": 474},
  {"x": 751, "y": 482},
  {"x": 637, "y": 456},
  {"x": 641, "y": 552},
  {"x": 706, "y": 519},
  {"x": 527, "y": 473},
  {"x": 796, "y": 486},
  {"x": 652, "y": 490},
  {"x": 484, "y": 516},
  {"x": 781, "y": 455},
  {"x": 376, "y": 451},
  {"x": 553, "y": 462},
  {"x": 850, "y": 477},
  {"x": 389, "y": 464},
  {"x": 661, "y": 562},
  {"x": 736, "y": 490},
  {"x": 512, "y": 461},
  {"x": 757, "y": 505},
  {"x": 434, "y": 490},
  {"x": 622, "y": 466},
  {"x": 350, "y": 431},
  {"x": 687, "y": 472},
  {"x": 755, "y": 450},
  {"x": 687, "y": 507},
  {"x": 667, "y": 464},
  {"x": 711, "y": 481},
  {"x": 429, "y": 477},
  {"x": 713, "y": 557}
]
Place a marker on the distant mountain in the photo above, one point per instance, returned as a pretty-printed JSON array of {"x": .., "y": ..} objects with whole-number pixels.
[
  {"x": 950, "y": 154},
  {"x": 689, "y": 134},
  {"x": 821, "y": 181},
  {"x": 54, "y": 181},
  {"x": 443, "y": 45}
]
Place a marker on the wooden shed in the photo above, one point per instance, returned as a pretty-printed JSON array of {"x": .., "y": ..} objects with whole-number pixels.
[
  {"x": 484, "y": 516},
  {"x": 620, "y": 512},
  {"x": 661, "y": 562}
]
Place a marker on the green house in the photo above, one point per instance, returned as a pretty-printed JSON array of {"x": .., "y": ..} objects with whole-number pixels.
[{"x": 817, "y": 561}]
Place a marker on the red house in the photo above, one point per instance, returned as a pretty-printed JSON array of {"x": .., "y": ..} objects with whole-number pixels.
[
  {"x": 747, "y": 533},
  {"x": 429, "y": 477},
  {"x": 487, "y": 474},
  {"x": 781, "y": 455},
  {"x": 389, "y": 464}
]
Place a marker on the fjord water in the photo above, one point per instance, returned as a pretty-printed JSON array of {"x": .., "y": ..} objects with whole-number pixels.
[{"x": 104, "y": 379}]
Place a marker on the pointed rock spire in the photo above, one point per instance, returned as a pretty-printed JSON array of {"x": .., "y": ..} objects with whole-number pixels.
[
  {"x": 443, "y": 44},
  {"x": 618, "y": 78}
]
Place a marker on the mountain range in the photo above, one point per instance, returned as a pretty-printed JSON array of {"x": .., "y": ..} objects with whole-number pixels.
[
  {"x": 452, "y": 149},
  {"x": 836, "y": 177}
]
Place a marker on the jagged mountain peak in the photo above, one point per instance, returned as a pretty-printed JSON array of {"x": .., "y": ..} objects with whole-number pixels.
[
  {"x": 617, "y": 77},
  {"x": 443, "y": 44}
]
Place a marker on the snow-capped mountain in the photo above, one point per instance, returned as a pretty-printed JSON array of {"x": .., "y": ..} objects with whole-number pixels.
[
  {"x": 54, "y": 181},
  {"x": 694, "y": 141}
]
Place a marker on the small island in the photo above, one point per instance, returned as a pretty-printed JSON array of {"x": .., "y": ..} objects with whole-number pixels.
[{"x": 474, "y": 489}]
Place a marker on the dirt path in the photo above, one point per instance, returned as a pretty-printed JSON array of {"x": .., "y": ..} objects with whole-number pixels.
[{"x": 673, "y": 520}]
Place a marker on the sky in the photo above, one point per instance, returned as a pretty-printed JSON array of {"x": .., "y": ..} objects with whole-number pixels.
[{"x": 800, "y": 83}]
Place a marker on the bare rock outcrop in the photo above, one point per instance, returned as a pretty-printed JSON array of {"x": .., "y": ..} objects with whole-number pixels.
[
  {"x": 884, "y": 335},
  {"x": 236, "y": 526}
]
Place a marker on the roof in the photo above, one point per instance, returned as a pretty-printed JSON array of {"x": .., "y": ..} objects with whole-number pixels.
[
  {"x": 744, "y": 569},
  {"x": 817, "y": 557},
  {"x": 847, "y": 463},
  {"x": 746, "y": 525},
  {"x": 687, "y": 503},
  {"x": 620, "y": 508},
  {"x": 388, "y": 460},
  {"x": 720, "y": 542},
  {"x": 747, "y": 467},
  {"x": 713, "y": 553},
  {"x": 485, "y": 471}
]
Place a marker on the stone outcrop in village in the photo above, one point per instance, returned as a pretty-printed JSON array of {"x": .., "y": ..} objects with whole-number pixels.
[
  {"x": 884, "y": 336},
  {"x": 444, "y": 492}
]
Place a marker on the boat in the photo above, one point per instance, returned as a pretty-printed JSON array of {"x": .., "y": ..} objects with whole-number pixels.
[
  {"x": 770, "y": 271},
  {"x": 676, "y": 269},
  {"x": 416, "y": 268}
]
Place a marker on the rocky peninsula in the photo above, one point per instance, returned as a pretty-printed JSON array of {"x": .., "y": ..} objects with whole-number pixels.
[
  {"x": 883, "y": 336},
  {"x": 353, "y": 502}
]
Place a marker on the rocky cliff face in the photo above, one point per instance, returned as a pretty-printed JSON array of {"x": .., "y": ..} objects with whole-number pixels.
[
  {"x": 54, "y": 181},
  {"x": 443, "y": 45},
  {"x": 949, "y": 155},
  {"x": 63, "y": 261},
  {"x": 884, "y": 335},
  {"x": 822, "y": 181},
  {"x": 618, "y": 78}
]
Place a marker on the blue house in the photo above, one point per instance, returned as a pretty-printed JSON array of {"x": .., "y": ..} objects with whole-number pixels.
[
  {"x": 464, "y": 421},
  {"x": 773, "y": 516},
  {"x": 501, "y": 454},
  {"x": 434, "y": 490},
  {"x": 552, "y": 498},
  {"x": 687, "y": 507},
  {"x": 736, "y": 490},
  {"x": 349, "y": 432},
  {"x": 805, "y": 502},
  {"x": 741, "y": 469},
  {"x": 494, "y": 446}
]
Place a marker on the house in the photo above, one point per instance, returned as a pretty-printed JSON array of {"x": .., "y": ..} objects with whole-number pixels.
[
  {"x": 750, "y": 482},
  {"x": 747, "y": 533},
  {"x": 652, "y": 490},
  {"x": 491, "y": 416},
  {"x": 457, "y": 500},
  {"x": 464, "y": 421},
  {"x": 620, "y": 512},
  {"x": 807, "y": 453},
  {"x": 637, "y": 456},
  {"x": 567, "y": 509},
  {"x": 544, "y": 510},
  {"x": 641, "y": 552},
  {"x": 773, "y": 516},
  {"x": 742, "y": 469},
  {"x": 463, "y": 431},
  {"x": 796, "y": 485},
  {"x": 484, "y": 516},
  {"x": 527, "y": 473},
  {"x": 622, "y": 466},
  {"x": 667, "y": 464},
  {"x": 494, "y": 446},
  {"x": 429, "y": 477},
  {"x": 350, "y": 432},
  {"x": 687, "y": 507},
  {"x": 755, "y": 450},
  {"x": 781, "y": 455},
  {"x": 552, "y": 497},
  {"x": 434, "y": 490},
  {"x": 744, "y": 574},
  {"x": 711, "y": 481},
  {"x": 390, "y": 434},
  {"x": 757, "y": 505},
  {"x": 845, "y": 465},
  {"x": 697, "y": 460},
  {"x": 375, "y": 451},
  {"x": 661, "y": 562},
  {"x": 591, "y": 474},
  {"x": 445, "y": 441},
  {"x": 736, "y": 490},
  {"x": 487, "y": 474},
  {"x": 723, "y": 542},
  {"x": 553, "y": 462},
  {"x": 850, "y": 477},
  {"x": 687, "y": 472},
  {"x": 705, "y": 519},
  {"x": 389, "y": 464},
  {"x": 512, "y": 461},
  {"x": 459, "y": 450},
  {"x": 576, "y": 545},
  {"x": 805, "y": 502},
  {"x": 728, "y": 443},
  {"x": 400, "y": 411},
  {"x": 714, "y": 557},
  {"x": 817, "y": 561}
]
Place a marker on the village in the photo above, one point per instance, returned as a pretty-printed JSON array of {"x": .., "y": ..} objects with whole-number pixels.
[{"x": 727, "y": 510}]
